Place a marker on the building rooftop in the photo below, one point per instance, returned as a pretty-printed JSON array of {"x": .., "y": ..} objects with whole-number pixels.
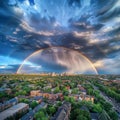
[
  {"x": 84, "y": 108},
  {"x": 62, "y": 112},
  {"x": 38, "y": 97},
  {"x": 12, "y": 110},
  {"x": 31, "y": 113},
  {"x": 42, "y": 105},
  {"x": 28, "y": 116},
  {"x": 12, "y": 100},
  {"x": 94, "y": 116}
]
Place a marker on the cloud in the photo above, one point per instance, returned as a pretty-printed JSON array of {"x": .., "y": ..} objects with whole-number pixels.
[
  {"x": 110, "y": 66},
  {"x": 9, "y": 69},
  {"x": 28, "y": 28},
  {"x": 91, "y": 27},
  {"x": 2, "y": 66}
]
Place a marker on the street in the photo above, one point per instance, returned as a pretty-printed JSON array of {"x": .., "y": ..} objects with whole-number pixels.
[{"x": 116, "y": 105}]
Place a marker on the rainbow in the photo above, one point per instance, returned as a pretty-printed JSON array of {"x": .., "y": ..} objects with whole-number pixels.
[{"x": 91, "y": 64}]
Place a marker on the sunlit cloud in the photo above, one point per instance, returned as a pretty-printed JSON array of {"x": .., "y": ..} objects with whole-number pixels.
[
  {"x": 25, "y": 26},
  {"x": 3, "y": 66},
  {"x": 98, "y": 64}
]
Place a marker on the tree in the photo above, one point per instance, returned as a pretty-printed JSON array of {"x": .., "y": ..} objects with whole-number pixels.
[
  {"x": 107, "y": 106},
  {"x": 97, "y": 108},
  {"x": 75, "y": 91},
  {"x": 65, "y": 91},
  {"x": 81, "y": 117},
  {"x": 71, "y": 99},
  {"x": 78, "y": 114},
  {"x": 66, "y": 98},
  {"x": 40, "y": 115},
  {"x": 2, "y": 94},
  {"x": 59, "y": 103},
  {"x": 113, "y": 115},
  {"x": 90, "y": 91},
  {"x": 24, "y": 100},
  {"x": 21, "y": 92},
  {"x": 57, "y": 90},
  {"x": 48, "y": 90},
  {"x": 33, "y": 104},
  {"x": 51, "y": 110}
]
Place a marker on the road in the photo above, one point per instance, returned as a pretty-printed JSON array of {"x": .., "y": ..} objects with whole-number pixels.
[{"x": 116, "y": 105}]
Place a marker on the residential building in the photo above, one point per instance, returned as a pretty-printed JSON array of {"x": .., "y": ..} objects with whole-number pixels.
[
  {"x": 48, "y": 86},
  {"x": 8, "y": 103},
  {"x": 76, "y": 97},
  {"x": 47, "y": 95},
  {"x": 94, "y": 116},
  {"x": 6, "y": 90},
  {"x": 87, "y": 98},
  {"x": 63, "y": 112},
  {"x": 30, "y": 114},
  {"x": 38, "y": 99},
  {"x": 35, "y": 93},
  {"x": 68, "y": 87},
  {"x": 82, "y": 90},
  {"x": 19, "y": 108}
]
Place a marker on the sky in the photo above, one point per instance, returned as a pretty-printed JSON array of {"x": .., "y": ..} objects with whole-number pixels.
[{"x": 78, "y": 36}]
